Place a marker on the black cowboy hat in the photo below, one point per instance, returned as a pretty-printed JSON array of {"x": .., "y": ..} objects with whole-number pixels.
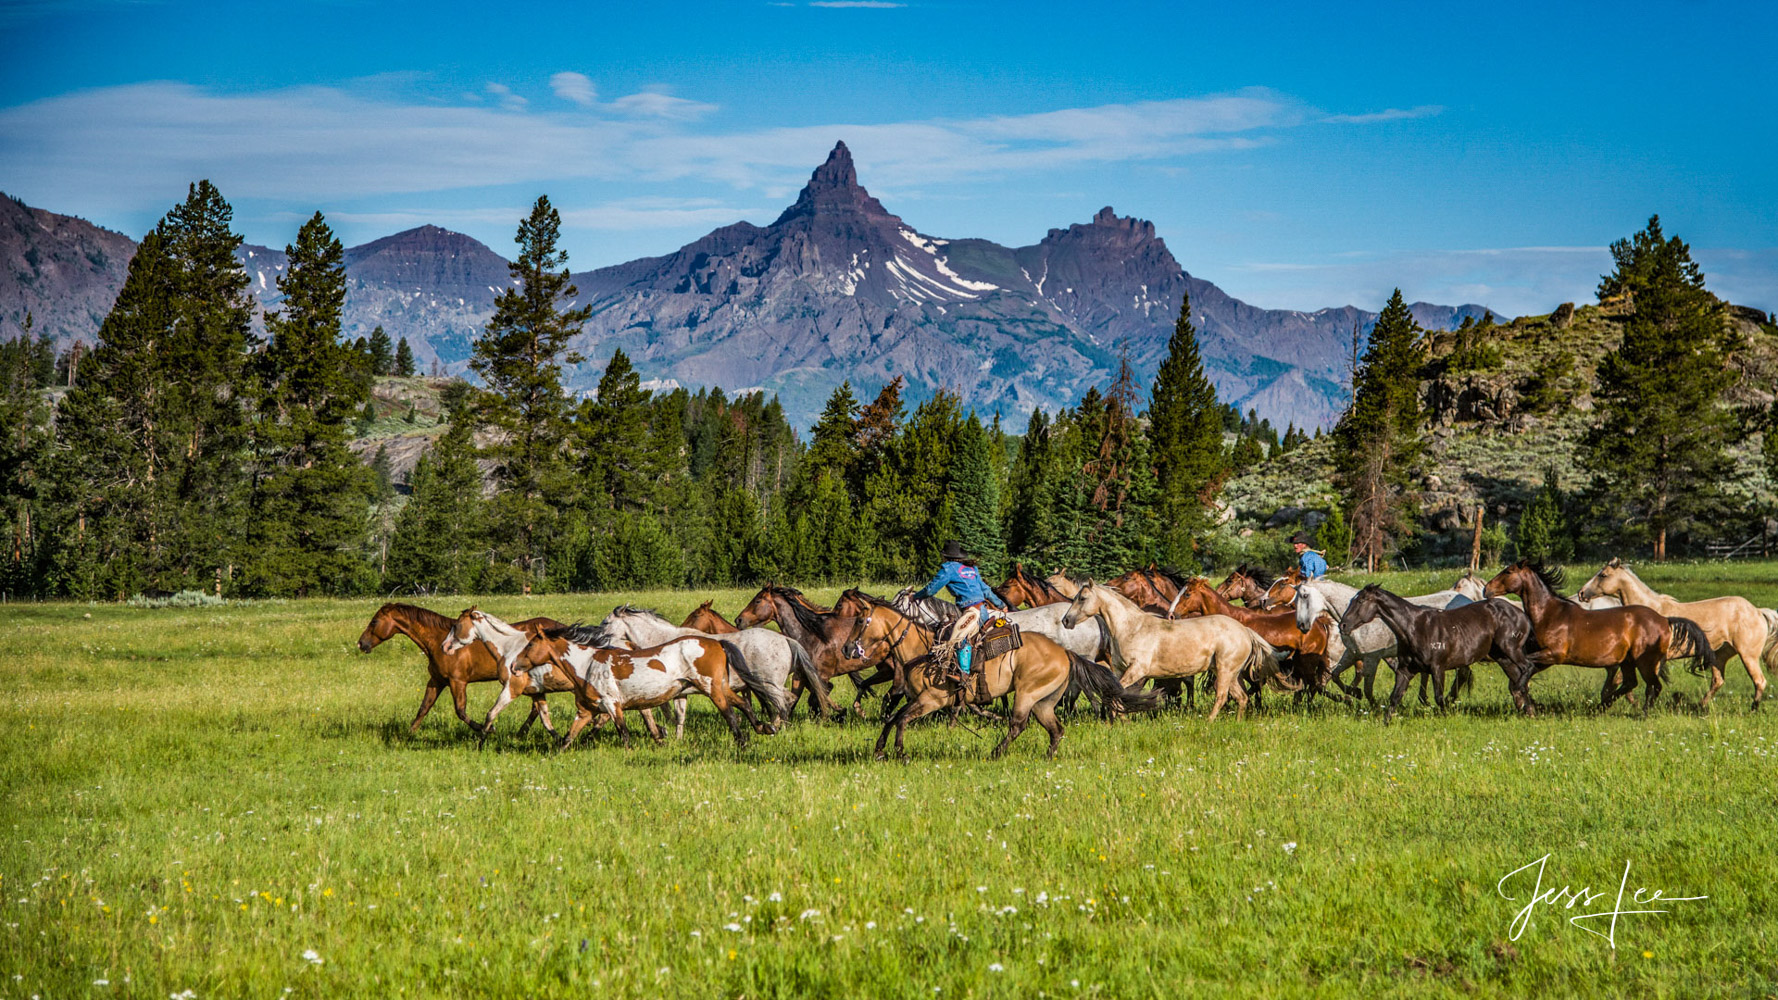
[
  {"x": 954, "y": 551},
  {"x": 1300, "y": 537}
]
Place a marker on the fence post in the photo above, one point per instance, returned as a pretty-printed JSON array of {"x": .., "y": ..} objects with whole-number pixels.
[{"x": 1475, "y": 545}]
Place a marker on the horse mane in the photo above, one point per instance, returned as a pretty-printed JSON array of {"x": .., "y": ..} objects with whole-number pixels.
[
  {"x": 1552, "y": 577},
  {"x": 871, "y": 599},
  {"x": 578, "y": 633},
  {"x": 1261, "y": 577},
  {"x": 423, "y": 616},
  {"x": 808, "y": 618},
  {"x": 635, "y": 609},
  {"x": 1171, "y": 575}
]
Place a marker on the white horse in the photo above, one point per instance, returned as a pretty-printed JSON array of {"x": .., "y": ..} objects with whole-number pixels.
[
  {"x": 1156, "y": 647},
  {"x": 1371, "y": 643},
  {"x": 772, "y": 655}
]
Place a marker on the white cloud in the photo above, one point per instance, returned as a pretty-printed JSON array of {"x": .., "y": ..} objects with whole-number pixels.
[
  {"x": 1386, "y": 115},
  {"x": 866, "y": 4},
  {"x": 658, "y": 103},
  {"x": 508, "y": 100},
  {"x": 576, "y": 88}
]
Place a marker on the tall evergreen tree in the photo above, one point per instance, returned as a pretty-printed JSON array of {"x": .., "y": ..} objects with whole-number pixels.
[
  {"x": 310, "y": 493},
  {"x": 519, "y": 358},
  {"x": 382, "y": 357},
  {"x": 404, "y": 359},
  {"x": 976, "y": 490},
  {"x": 147, "y": 472},
  {"x": 1185, "y": 437},
  {"x": 1658, "y": 449},
  {"x": 1379, "y": 435},
  {"x": 833, "y": 449}
]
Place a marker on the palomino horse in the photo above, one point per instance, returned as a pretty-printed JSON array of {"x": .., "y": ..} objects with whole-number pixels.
[
  {"x": 1735, "y": 627},
  {"x": 704, "y": 618},
  {"x": 1023, "y": 588},
  {"x": 1308, "y": 660},
  {"x": 455, "y": 670},
  {"x": 612, "y": 680},
  {"x": 1157, "y": 647},
  {"x": 1632, "y": 639},
  {"x": 1036, "y": 675},
  {"x": 1064, "y": 584},
  {"x": 1428, "y": 640}
]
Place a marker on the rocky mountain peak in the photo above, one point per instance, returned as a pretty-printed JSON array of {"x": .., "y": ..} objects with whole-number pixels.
[
  {"x": 833, "y": 189},
  {"x": 1107, "y": 228}
]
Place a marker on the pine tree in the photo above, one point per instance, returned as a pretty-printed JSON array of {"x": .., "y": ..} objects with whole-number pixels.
[
  {"x": 1378, "y": 437},
  {"x": 1185, "y": 436},
  {"x": 832, "y": 446},
  {"x": 519, "y": 358},
  {"x": 1658, "y": 449},
  {"x": 404, "y": 359},
  {"x": 440, "y": 543},
  {"x": 310, "y": 492},
  {"x": 1542, "y": 535},
  {"x": 977, "y": 494},
  {"x": 24, "y": 442},
  {"x": 382, "y": 361},
  {"x": 616, "y": 450},
  {"x": 148, "y": 476},
  {"x": 1334, "y": 538}
]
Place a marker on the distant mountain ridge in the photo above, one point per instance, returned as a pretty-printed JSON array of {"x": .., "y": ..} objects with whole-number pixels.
[{"x": 835, "y": 288}]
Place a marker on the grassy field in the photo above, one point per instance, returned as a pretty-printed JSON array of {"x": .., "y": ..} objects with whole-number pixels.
[{"x": 226, "y": 803}]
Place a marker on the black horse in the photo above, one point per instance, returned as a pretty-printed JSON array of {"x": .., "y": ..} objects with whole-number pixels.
[{"x": 1429, "y": 640}]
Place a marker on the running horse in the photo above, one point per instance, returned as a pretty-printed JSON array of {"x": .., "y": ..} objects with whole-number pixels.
[
  {"x": 822, "y": 633},
  {"x": 1434, "y": 641},
  {"x": 1735, "y": 627},
  {"x": 1308, "y": 661},
  {"x": 457, "y": 669},
  {"x": 1634, "y": 639},
  {"x": 1153, "y": 589},
  {"x": 704, "y": 618},
  {"x": 1248, "y": 584},
  {"x": 1036, "y": 675}
]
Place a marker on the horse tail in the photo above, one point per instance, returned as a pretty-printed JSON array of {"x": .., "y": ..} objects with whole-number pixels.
[
  {"x": 1108, "y": 647},
  {"x": 1686, "y": 640},
  {"x": 1261, "y": 664},
  {"x": 818, "y": 688},
  {"x": 1465, "y": 680},
  {"x": 1098, "y": 681},
  {"x": 771, "y": 694},
  {"x": 1768, "y": 656}
]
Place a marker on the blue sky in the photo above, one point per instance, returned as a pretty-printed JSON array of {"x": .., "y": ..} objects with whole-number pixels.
[{"x": 1299, "y": 155}]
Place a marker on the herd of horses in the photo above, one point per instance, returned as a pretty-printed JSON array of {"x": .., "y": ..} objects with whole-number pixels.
[{"x": 1125, "y": 645}]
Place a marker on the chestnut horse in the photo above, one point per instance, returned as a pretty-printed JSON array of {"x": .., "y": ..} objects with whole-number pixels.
[
  {"x": 704, "y": 618},
  {"x": 1023, "y": 588},
  {"x": 1633, "y": 639},
  {"x": 822, "y": 633},
  {"x": 456, "y": 670},
  {"x": 1036, "y": 675},
  {"x": 1248, "y": 584},
  {"x": 1734, "y": 625},
  {"x": 1153, "y": 589}
]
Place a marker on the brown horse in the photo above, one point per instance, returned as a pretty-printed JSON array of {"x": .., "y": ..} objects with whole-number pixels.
[
  {"x": 472, "y": 664},
  {"x": 1152, "y": 588},
  {"x": 822, "y": 633},
  {"x": 704, "y": 618},
  {"x": 1023, "y": 588},
  {"x": 1248, "y": 584},
  {"x": 1036, "y": 675},
  {"x": 1308, "y": 661},
  {"x": 1734, "y": 625},
  {"x": 1632, "y": 639}
]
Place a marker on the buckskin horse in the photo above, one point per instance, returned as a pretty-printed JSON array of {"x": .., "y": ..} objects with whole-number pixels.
[
  {"x": 1159, "y": 648},
  {"x": 1733, "y": 625},
  {"x": 456, "y": 670},
  {"x": 1433, "y": 641},
  {"x": 1633, "y": 639},
  {"x": 1036, "y": 675}
]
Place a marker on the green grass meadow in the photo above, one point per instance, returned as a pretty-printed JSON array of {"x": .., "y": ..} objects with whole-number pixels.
[{"x": 225, "y": 802}]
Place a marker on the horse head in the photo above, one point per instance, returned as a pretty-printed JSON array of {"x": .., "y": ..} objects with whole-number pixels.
[
  {"x": 1609, "y": 581},
  {"x": 1087, "y": 603},
  {"x": 758, "y": 611},
  {"x": 1366, "y": 606},
  {"x": 382, "y": 625},
  {"x": 463, "y": 630}
]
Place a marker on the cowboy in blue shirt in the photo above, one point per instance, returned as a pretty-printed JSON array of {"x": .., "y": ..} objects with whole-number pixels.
[
  {"x": 961, "y": 574},
  {"x": 1311, "y": 562}
]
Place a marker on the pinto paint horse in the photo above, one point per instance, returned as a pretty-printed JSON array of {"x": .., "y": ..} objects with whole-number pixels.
[
  {"x": 456, "y": 669},
  {"x": 612, "y": 680},
  {"x": 1633, "y": 639},
  {"x": 1734, "y": 626}
]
